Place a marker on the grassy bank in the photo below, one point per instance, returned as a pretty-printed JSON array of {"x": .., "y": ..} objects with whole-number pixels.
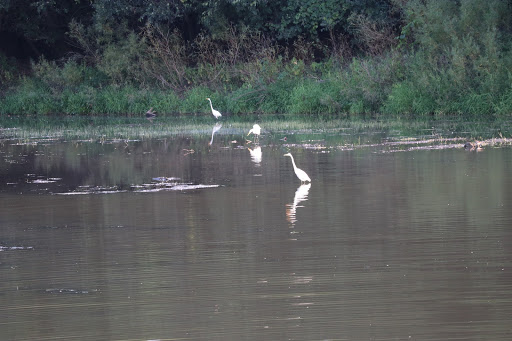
[{"x": 371, "y": 87}]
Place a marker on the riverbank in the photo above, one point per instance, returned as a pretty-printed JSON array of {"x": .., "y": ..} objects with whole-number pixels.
[{"x": 364, "y": 88}]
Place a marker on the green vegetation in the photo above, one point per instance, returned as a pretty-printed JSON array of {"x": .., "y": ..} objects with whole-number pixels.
[{"x": 394, "y": 58}]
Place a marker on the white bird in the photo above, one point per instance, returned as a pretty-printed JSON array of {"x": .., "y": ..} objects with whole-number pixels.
[
  {"x": 303, "y": 177},
  {"x": 214, "y": 112},
  {"x": 256, "y": 130}
]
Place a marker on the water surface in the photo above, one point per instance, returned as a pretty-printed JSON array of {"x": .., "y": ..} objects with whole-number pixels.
[{"x": 185, "y": 237}]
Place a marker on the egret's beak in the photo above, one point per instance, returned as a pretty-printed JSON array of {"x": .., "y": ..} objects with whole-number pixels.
[{"x": 250, "y": 131}]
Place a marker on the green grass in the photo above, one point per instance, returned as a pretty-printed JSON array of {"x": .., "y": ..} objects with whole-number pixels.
[
  {"x": 362, "y": 88},
  {"x": 274, "y": 127}
]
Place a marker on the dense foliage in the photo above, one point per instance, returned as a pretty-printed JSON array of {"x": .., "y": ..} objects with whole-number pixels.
[{"x": 348, "y": 57}]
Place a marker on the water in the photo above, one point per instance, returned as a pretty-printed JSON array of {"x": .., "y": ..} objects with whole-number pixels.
[{"x": 178, "y": 239}]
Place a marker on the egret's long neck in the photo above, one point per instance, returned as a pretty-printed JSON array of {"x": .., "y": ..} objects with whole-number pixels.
[
  {"x": 211, "y": 106},
  {"x": 293, "y": 162}
]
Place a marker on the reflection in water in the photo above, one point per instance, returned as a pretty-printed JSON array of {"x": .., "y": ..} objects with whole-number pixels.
[
  {"x": 215, "y": 129},
  {"x": 301, "y": 194},
  {"x": 256, "y": 155},
  {"x": 390, "y": 246}
]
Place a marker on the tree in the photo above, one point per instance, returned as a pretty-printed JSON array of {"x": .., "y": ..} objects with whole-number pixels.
[{"x": 32, "y": 28}]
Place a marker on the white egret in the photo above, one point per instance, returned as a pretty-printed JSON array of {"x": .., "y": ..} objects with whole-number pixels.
[
  {"x": 214, "y": 112},
  {"x": 303, "y": 177},
  {"x": 256, "y": 130}
]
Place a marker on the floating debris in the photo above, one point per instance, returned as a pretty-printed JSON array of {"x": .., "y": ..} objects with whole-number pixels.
[
  {"x": 165, "y": 179},
  {"x": 94, "y": 190},
  {"x": 15, "y": 248},
  {"x": 70, "y": 291},
  {"x": 42, "y": 181},
  {"x": 167, "y": 186},
  {"x": 184, "y": 187}
]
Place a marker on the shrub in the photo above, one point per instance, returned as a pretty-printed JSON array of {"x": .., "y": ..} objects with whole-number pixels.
[
  {"x": 366, "y": 83},
  {"x": 58, "y": 78},
  {"x": 407, "y": 98},
  {"x": 504, "y": 106},
  {"x": 76, "y": 102},
  {"x": 245, "y": 100},
  {"x": 122, "y": 61},
  {"x": 30, "y": 98},
  {"x": 313, "y": 97}
]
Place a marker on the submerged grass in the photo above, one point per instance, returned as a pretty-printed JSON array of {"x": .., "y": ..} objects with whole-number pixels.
[{"x": 273, "y": 126}]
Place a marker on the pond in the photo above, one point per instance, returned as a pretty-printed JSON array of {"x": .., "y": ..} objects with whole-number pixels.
[{"x": 208, "y": 234}]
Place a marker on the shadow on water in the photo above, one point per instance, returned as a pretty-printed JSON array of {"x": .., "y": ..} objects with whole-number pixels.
[{"x": 166, "y": 231}]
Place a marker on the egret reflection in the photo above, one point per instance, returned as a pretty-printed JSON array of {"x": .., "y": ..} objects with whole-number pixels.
[
  {"x": 215, "y": 129},
  {"x": 256, "y": 155},
  {"x": 301, "y": 194}
]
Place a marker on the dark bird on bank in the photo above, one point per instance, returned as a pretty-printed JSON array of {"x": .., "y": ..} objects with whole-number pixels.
[
  {"x": 472, "y": 146},
  {"x": 150, "y": 113}
]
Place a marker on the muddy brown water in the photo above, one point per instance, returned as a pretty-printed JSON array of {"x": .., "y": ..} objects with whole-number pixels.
[{"x": 176, "y": 239}]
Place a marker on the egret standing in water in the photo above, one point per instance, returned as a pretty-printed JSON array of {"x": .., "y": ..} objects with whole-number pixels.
[
  {"x": 303, "y": 177},
  {"x": 214, "y": 112},
  {"x": 256, "y": 130}
]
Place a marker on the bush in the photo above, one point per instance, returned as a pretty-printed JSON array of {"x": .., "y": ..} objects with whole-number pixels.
[
  {"x": 123, "y": 61},
  {"x": 245, "y": 100},
  {"x": 406, "y": 98},
  {"x": 504, "y": 106},
  {"x": 463, "y": 57},
  {"x": 313, "y": 97},
  {"x": 366, "y": 83},
  {"x": 76, "y": 102},
  {"x": 58, "y": 78},
  {"x": 28, "y": 99}
]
